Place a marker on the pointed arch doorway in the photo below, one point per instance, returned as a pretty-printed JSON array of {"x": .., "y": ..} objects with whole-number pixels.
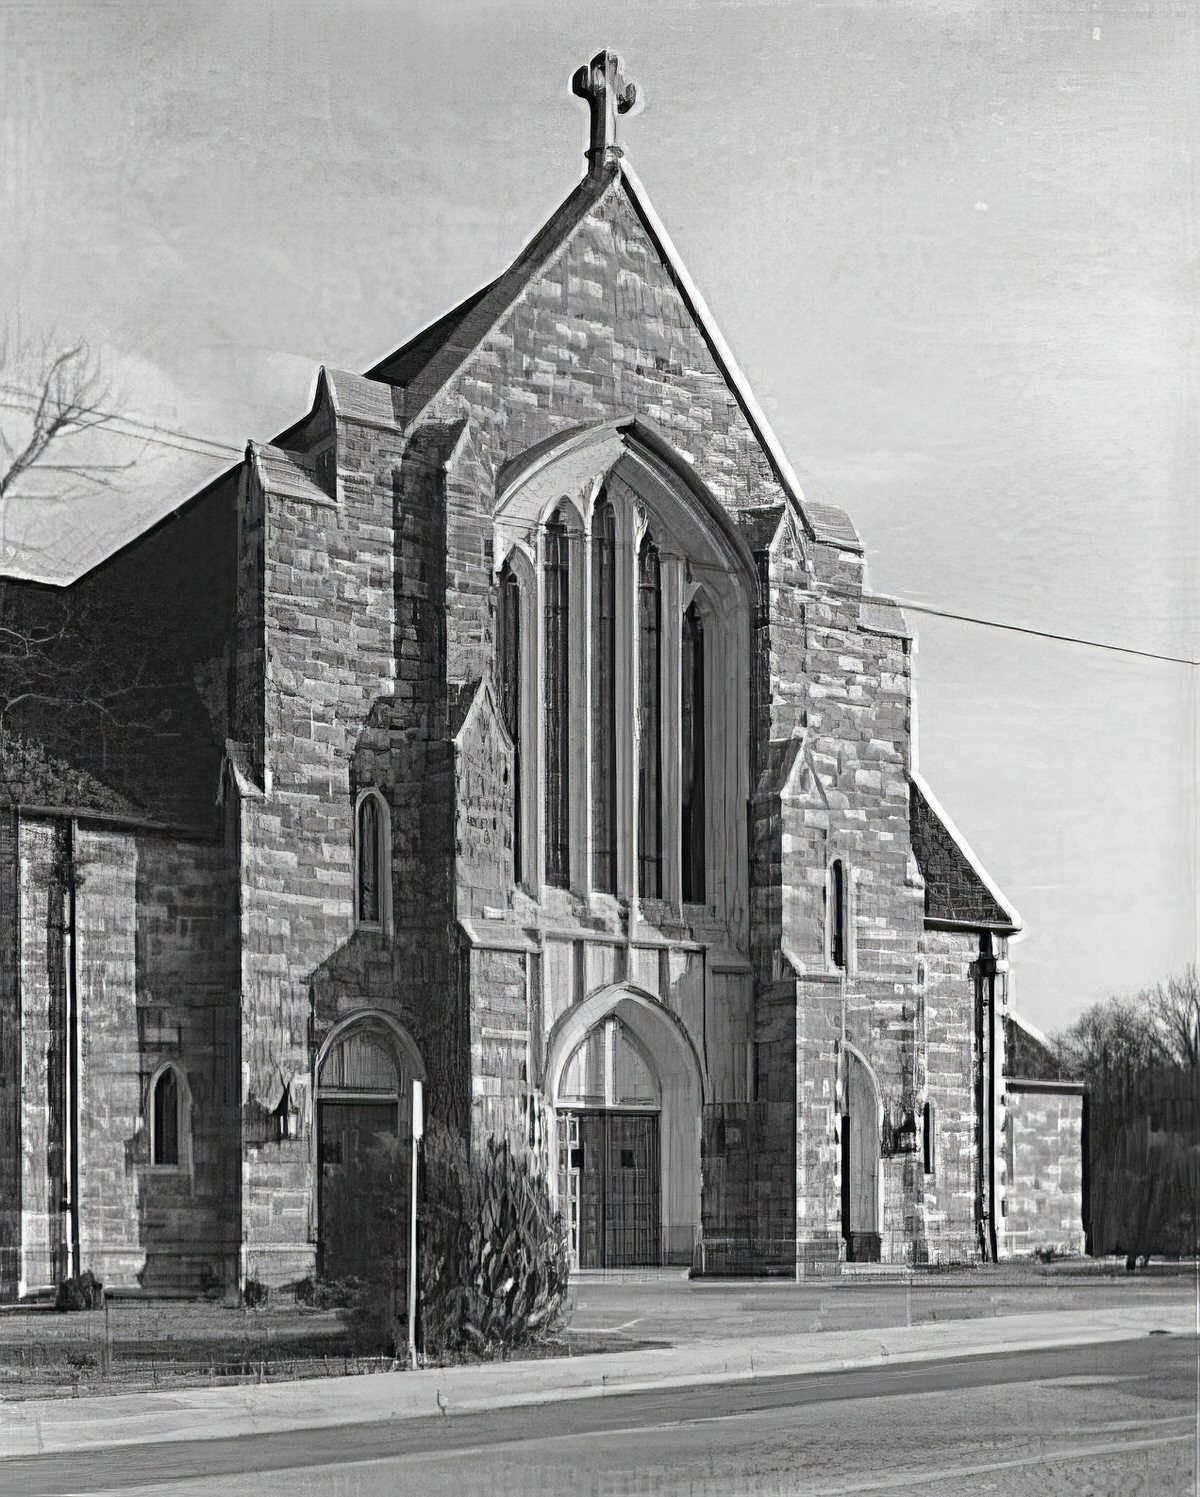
[
  {"x": 627, "y": 1089},
  {"x": 608, "y": 1140},
  {"x": 862, "y": 1122}
]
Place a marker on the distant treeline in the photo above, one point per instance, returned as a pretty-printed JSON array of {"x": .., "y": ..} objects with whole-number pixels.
[{"x": 1140, "y": 1059}]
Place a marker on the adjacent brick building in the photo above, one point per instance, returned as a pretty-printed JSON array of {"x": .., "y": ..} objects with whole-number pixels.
[{"x": 513, "y": 723}]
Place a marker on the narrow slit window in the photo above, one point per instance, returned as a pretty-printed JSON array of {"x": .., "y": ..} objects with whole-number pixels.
[
  {"x": 927, "y": 1136},
  {"x": 166, "y": 1118},
  {"x": 510, "y": 692},
  {"x": 650, "y": 722},
  {"x": 558, "y": 702},
  {"x": 694, "y": 854},
  {"x": 372, "y": 869},
  {"x": 604, "y": 699},
  {"x": 837, "y": 914}
]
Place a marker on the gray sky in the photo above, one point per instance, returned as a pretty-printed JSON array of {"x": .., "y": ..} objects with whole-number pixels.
[{"x": 953, "y": 244}]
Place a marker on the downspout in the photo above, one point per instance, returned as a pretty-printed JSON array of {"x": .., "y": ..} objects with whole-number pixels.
[
  {"x": 990, "y": 1195},
  {"x": 72, "y": 1099},
  {"x": 18, "y": 957}
]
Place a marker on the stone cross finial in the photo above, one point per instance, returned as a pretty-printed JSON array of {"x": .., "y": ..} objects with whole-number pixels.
[{"x": 601, "y": 83}]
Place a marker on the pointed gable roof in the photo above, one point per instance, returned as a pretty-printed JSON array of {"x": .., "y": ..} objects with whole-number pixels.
[
  {"x": 426, "y": 363},
  {"x": 429, "y": 361},
  {"x": 958, "y": 891}
]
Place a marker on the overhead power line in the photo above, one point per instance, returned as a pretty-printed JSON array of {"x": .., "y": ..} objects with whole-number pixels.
[
  {"x": 182, "y": 441},
  {"x": 1069, "y": 639}
]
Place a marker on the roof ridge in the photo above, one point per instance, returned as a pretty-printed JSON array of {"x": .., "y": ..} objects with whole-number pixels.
[{"x": 498, "y": 299}]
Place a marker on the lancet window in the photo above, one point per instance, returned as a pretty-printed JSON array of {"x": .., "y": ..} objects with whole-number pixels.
[
  {"x": 837, "y": 914},
  {"x": 558, "y": 701},
  {"x": 604, "y": 698},
  {"x": 649, "y": 722},
  {"x": 692, "y": 735},
  {"x": 372, "y": 860}
]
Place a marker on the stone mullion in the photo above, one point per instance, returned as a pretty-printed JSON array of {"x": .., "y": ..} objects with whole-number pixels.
[{"x": 670, "y": 747}]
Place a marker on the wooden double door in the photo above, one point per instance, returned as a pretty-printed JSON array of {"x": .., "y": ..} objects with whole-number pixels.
[{"x": 612, "y": 1187}]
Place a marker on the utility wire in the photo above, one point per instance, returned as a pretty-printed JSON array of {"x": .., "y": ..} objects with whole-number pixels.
[
  {"x": 1070, "y": 639},
  {"x": 210, "y": 447}
]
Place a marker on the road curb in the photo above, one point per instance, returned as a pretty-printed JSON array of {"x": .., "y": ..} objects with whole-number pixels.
[{"x": 65, "y": 1426}]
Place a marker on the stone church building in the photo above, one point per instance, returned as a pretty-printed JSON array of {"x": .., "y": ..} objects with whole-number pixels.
[{"x": 512, "y": 722}]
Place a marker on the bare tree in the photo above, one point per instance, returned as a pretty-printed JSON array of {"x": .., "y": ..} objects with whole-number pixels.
[
  {"x": 1139, "y": 1058},
  {"x": 54, "y": 401},
  {"x": 1175, "y": 1005},
  {"x": 51, "y": 397}
]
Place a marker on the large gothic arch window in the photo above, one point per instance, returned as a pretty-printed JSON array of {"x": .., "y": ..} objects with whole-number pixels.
[
  {"x": 557, "y": 629},
  {"x": 692, "y": 743},
  {"x": 604, "y": 697},
  {"x": 649, "y": 721},
  {"x": 622, "y": 621}
]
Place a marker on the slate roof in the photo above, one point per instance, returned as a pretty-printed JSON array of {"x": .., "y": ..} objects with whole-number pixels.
[
  {"x": 29, "y": 776},
  {"x": 410, "y": 358},
  {"x": 958, "y": 892},
  {"x": 1029, "y": 1055}
]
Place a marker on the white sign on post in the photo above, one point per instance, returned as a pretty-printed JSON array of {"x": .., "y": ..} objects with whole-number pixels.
[{"x": 418, "y": 1131}]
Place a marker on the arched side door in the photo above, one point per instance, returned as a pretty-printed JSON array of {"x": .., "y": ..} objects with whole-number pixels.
[
  {"x": 860, "y": 1163},
  {"x": 363, "y": 1087}
]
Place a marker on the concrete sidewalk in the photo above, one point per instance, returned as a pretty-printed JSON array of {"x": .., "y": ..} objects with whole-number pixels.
[{"x": 41, "y": 1426}]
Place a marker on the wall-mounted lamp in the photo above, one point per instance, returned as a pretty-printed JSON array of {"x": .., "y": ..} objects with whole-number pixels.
[{"x": 285, "y": 1117}]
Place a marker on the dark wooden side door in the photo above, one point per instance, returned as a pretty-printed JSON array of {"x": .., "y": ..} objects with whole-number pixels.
[
  {"x": 860, "y": 1167},
  {"x": 347, "y": 1131}
]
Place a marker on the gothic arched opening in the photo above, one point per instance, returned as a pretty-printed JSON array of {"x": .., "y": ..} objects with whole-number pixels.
[{"x": 364, "y": 1110}]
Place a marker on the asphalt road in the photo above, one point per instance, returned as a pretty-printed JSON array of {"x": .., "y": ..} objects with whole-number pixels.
[
  {"x": 1117, "y": 1420},
  {"x": 660, "y": 1309}
]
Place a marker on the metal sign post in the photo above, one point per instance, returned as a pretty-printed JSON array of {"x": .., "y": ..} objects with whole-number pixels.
[{"x": 418, "y": 1129}]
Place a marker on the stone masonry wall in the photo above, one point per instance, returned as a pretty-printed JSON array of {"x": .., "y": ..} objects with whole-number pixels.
[
  {"x": 10, "y": 1059},
  {"x": 43, "y": 999},
  {"x": 1044, "y": 1157},
  {"x": 154, "y": 971},
  {"x": 354, "y": 644},
  {"x": 951, "y": 1058},
  {"x": 601, "y": 333}
]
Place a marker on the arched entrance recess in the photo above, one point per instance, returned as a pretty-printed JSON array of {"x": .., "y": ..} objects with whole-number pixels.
[
  {"x": 627, "y": 1088},
  {"x": 365, "y": 1072},
  {"x": 861, "y": 1129}
]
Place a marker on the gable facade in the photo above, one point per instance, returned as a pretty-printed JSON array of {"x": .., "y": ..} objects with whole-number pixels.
[{"x": 553, "y": 745}]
